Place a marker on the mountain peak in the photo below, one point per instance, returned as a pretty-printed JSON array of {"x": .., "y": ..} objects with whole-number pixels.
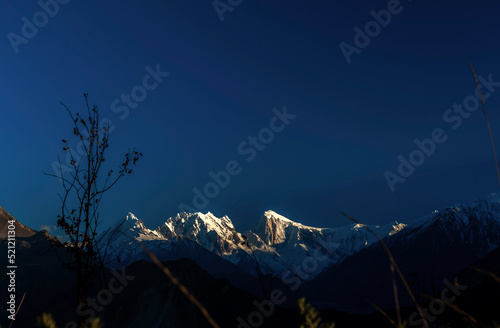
[
  {"x": 272, "y": 214},
  {"x": 133, "y": 227},
  {"x": 464, "y": 214},
  {"x": 273, "y": 228},
  {"x": 205, "y": 229},
  {"x": 21, "y": 230},
  {"x": 475, "y": 224},
  {"x": 131, "y": 222},
  {"x": 130, "y": 216}
]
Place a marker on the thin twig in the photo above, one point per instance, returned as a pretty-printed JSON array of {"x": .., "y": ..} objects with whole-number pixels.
[{"x": 487, "y": 122}]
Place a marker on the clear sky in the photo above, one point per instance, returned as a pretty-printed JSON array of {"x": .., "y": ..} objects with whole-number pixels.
[{"x": 352, "y": 120}]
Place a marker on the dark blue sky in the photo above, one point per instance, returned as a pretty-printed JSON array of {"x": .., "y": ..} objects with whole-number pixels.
[{"x": 353, "y": 120}]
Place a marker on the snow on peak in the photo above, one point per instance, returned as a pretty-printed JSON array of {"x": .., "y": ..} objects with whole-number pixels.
[
  {"x": 215, "y": 234},
  {"x": 272, "y": 214},
  {"x": 184, "y": 223},
  {"x": 470, "y": 222},
  {"x": 278, "y": 242},
  {"x": 358, "y": 226},
  {"x": 275, "y": 229},
  {"x": 134, "y": 228},
  {"x": 131, "y": 216},
  {"x": 397, "y": 227},
  {"x": 462, "y": 214}
]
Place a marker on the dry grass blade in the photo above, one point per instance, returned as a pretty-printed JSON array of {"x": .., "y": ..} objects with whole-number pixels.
[
  {"x": 17, "y": 310},
  {"x": 182, "y": 288},
  {"x": 393, "y": 262},
  {"x": 383, "y": 313},
  {"x": 396, "y": 296},
  {"x": 470, "y": 319},
  {"x": 487, "y": 122},
  {"x": 491, "y": 274}
]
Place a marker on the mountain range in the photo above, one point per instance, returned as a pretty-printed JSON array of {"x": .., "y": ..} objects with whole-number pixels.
[
  {"x": 337, "y": 269},
  {"x": 278, "y": 244}
]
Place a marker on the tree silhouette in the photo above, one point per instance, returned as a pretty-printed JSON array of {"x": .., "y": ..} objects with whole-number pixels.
[{"x": 84, "y": 187}]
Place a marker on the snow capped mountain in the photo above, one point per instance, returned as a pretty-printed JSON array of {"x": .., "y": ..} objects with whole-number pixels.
[
  {"x": 298, "y": 244},
  {"x": 135, "y": 229},
  {"x": 430, "y": 250},
  {"x": 217, "y": 235},
  {"x": 277, "y": 242},
  {"x": 476, "y": 224},
  {"x": 274, "y": 229},
  {"x": 333, "y": 267},
  {"x": 122, "y": 242},
  {"x": 183, "y": 234}
]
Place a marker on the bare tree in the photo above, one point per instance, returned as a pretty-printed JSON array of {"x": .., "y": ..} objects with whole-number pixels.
[{"x": 84, "y": 187}]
